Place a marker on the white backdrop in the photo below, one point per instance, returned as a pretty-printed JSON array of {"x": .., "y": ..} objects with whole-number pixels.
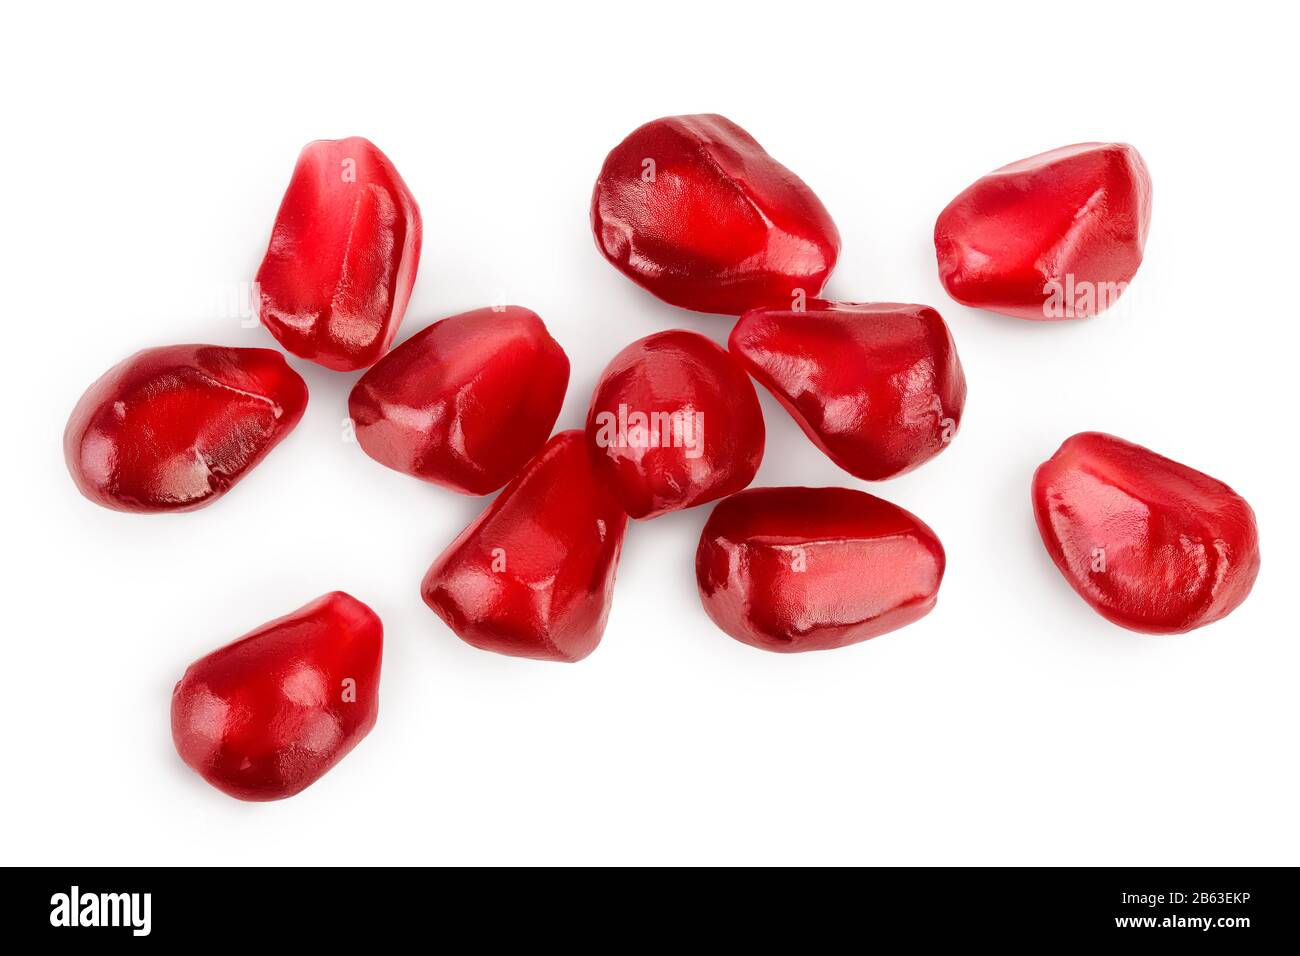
[{"x": 144, "y": 158}]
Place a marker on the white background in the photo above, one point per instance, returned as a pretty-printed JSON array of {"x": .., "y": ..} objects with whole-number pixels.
[{"x": 143, "y": 161}]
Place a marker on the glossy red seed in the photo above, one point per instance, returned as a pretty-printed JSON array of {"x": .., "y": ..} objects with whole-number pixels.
[
  {"x": 465, "y": 402},
  {"x": 1055, "y": 236},
  {"x": 1150, "y": 544},
  {"x": 267, "y": 715},
  {"x": 674, "y": 422},
  {"x": 173, "y": 428},
  {"x": 533, "y": 576},
  {"x": 810, "y": 569},
  {"x": 692, "y": 209},
  {"x": 878, "y": 387},
  {"x": 343, "y": 254}
]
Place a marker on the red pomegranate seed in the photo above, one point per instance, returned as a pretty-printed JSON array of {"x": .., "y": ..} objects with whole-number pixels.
[
  {"x": 264, "y": 717},
  {"x": 878, "y": 387},
  {"x": 810, "y": 569},
  {"x": 1054, "y": 236},
  {"x": 1150, "y": 544},
  {"x": 174, "y": 428},
  {"x": 343, "y": 254},
  {"x": 533, "y": 576},
  {"x": 465, "y": 402},
  {"x": 674, "y": 422},
  {"x": 692, "y": 209}
]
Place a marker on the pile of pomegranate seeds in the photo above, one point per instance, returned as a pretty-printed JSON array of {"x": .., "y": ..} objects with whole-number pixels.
[{"x": 692, "y": 209}]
